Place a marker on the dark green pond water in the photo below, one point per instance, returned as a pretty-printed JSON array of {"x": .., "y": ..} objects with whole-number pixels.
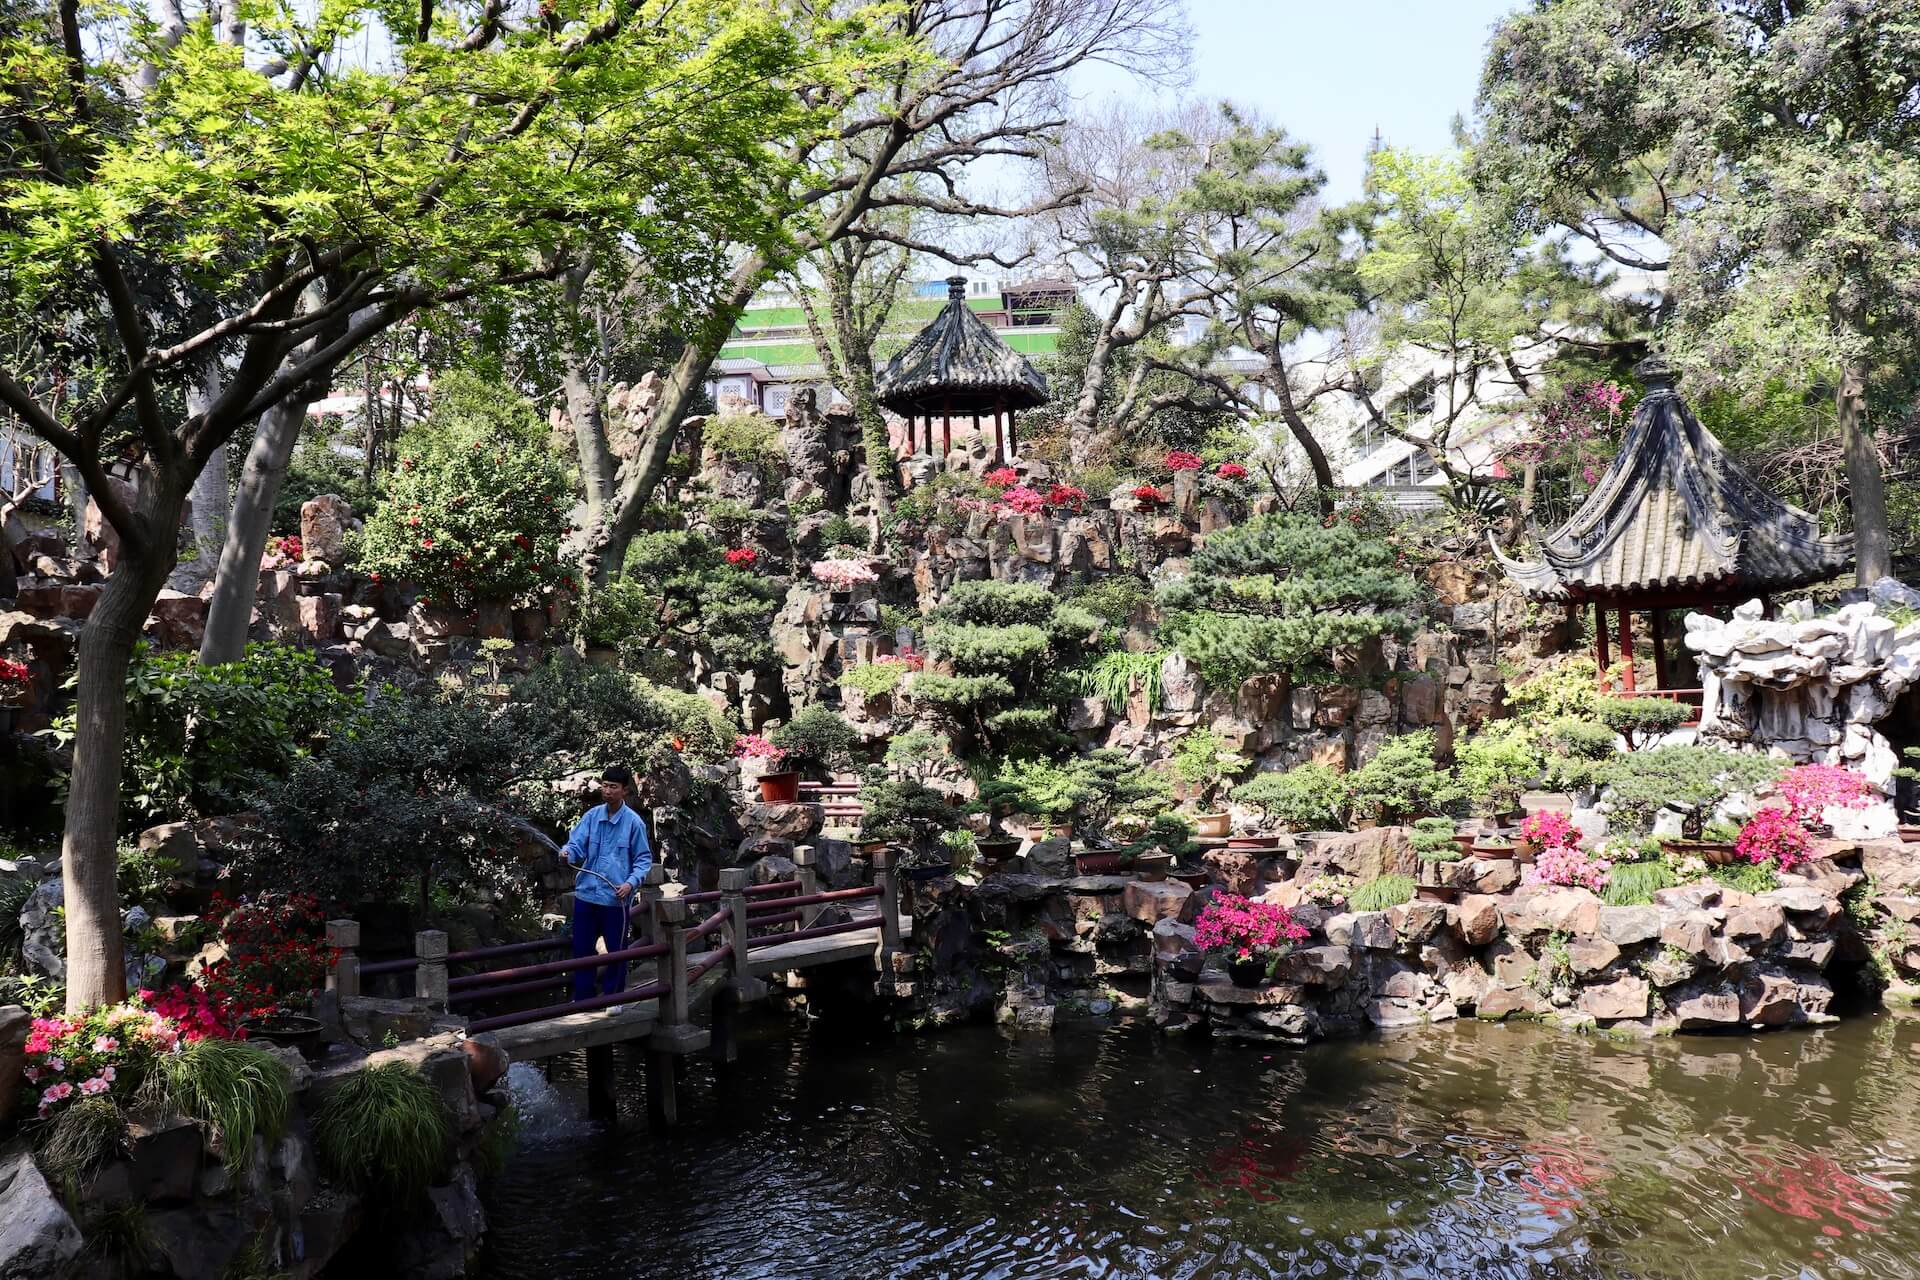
[{"x": 1455, "y": 1151}]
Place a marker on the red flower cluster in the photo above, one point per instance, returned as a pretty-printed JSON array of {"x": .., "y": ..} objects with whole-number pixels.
[
  {"x": 1002, "y": 477},
  {"x": 742, "y": 555},
  {"x": 1181, "y": 460},
  {"x": 276, "y": 955},
  {"x": 1231, "y": 471},
  {"x": 1774, "y": 835},
  {"x": 12, "y": 672},
  {"x": 1809, "y": 789},
  {"x": 908, "y": 657},
  {"x": 1022, "y": 500},
  {"x": 1148, "y": 496},
  {"x": 1242, "y": 927},
  {"x": 292, "y": 548},
  {"x": 1067, "y": 496}
]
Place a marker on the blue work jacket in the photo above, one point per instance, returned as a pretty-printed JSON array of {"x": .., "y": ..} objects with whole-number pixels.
[{"x": 611, "y": 845}]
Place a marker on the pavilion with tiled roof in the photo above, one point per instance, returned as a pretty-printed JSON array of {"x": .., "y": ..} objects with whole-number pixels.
[
  {"x": 1674, "y": 523},
  {"x": 957, "y": 365}
]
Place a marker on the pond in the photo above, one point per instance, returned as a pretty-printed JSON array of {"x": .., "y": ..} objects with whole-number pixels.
[{"x": 1459, "y": 1150}]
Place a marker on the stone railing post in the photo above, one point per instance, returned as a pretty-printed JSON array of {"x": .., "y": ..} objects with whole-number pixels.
[
  {"x": 806, "y": 862},
  {"x": 889, "y": 885},
  {"x": 430, "y": 975},
  {"x": 647, "y": 911},
  {"x": 343, "y": 969},
  {"x": 733, "y": 883},
  {"x": 673, "y": 919}
]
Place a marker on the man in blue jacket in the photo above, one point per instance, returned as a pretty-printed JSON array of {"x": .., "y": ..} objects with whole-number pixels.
[{"x": 609, "y": 846}]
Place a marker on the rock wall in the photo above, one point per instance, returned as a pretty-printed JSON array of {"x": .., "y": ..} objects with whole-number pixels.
[{"x": 1816, "y": 689}]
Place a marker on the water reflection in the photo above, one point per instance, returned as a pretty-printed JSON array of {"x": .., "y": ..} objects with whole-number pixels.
[{"x": 1463, "y": 1151}]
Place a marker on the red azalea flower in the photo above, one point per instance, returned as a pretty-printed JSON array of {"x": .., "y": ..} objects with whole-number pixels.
[
  {"x": 1231, "y": 471},
  {"x": 1148, "y": 496},
  {"x": 1001, "y": 477},
  {"x": 1181, "y": 460},
  {"x": 426, "y": 544},
  {"x": 521, "y": 540},
  {"x": 742, "y": 555}
]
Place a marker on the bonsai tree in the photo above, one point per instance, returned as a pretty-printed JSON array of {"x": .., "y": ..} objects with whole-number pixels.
[
  {"x": 1040, "y": 788},
  {"x": 1203, "y": 763},
  {"x": 1112, "y": 786},
  {"x": 1307, "y": 797},
  {"x": 1639, "y": 720},
  {"x": 1401, "y": 780},
  {"x": 1285, "y": 593},
  {"x": 1433, "y": 840},
  {"x": 1011, "y": 648},
  {"x": 904, "y": 810},
  {"x": 1694, "y": 780},
  {"x": 817, "y": 741},
  {"x": 1576, "y": 751},
  {"x": 1495, "y": 765}
]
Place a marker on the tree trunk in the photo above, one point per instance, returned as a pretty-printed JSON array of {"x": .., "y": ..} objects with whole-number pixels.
[
  {"x": 238, "y": 581},
  {"x": 1085, "y": 413},
  {"x": 211, "y": 499},
  {"x": 96, "y": 968},
  {"x": 1866, "y": 487},
  {"x": 644, "y": 473},
  {"x": 597, "y": 467}
]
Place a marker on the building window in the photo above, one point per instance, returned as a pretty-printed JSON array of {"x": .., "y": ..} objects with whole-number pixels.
[
  {"x": 1367, "y": 439},
  {"x": 776, "y": 400},
  {"x": 1415, "y": 404}
]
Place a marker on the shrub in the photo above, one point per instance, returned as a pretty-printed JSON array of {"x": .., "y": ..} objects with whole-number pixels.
[
  {"x": 841, "y": 575},
  {"x": 995, "y": 604},
  {"x": 1113, "y": 787},
  {"x": 905, "y": 810},
  {"x": 1203, "y": 762},
  {"x": 1570, "y": 866},
  {"x": 1550, "y": 829},
  {"x": 958, "y": 695},
  {"x": 199, "y": 737},
  {"x": 1575, "y": 748},
  {"x": 1038, "y": 787},
  {"x": 872, "y": 679},
  {"x": 1401, "y": 779},
  {"x": 677, "y": 588},
  {"x": 1746, "y": 877},
  {"x": 1307, "y": 797},
  {"x": 1381, "y": 892},
  {"x": 1774, "y": 837},
  {"x": 276, "y": 953},
  {"x": 1246, "y": 930},
  {"x": 1638, "y": 719},
  {"x": 816, "y": 740},
  {"x": 383, "y": 1132},
  {"x": 838, "y": 531},
  {"x": 1114, "y": 598},
  {"x": 1566, "y": 689},
  {"x": 1495, "y": 765},
  {"x": 979, "y": 649},
  {"x": 1283, "y": 593},
  {"x": 1810, "y": 789},
  {"x": 1633, "y": 884},
  {"x": 476, "y": 514},
  {"x": 1433, "y": 840},
  {"x": 1691, "y": 779},
  {"x": 106, "y": 1052},
  {"x": 744, "y": 437},
  {"x": 237, "y": 1089}
]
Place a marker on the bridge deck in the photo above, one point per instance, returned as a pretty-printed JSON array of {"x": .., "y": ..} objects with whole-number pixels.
[{"x": 636, "y": 1021}]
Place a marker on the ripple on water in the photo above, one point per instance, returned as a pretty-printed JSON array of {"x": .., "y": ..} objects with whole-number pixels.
[{"x": 1472, "y": 1151}]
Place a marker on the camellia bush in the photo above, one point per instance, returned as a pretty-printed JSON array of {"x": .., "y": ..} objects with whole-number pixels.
[
  {"x": 475, "y": 512},
  {"x": 681, "y": 592},
  {"x": 1285, "y": 593}
]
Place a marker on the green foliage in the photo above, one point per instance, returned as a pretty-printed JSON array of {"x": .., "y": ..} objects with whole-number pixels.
[
  {"x": 1566, "y": 689},
  {"x": 995, "y": 604},
  {"x": 1307, "y": 797},
  {"x": 237, "y": 1089},
  {"x": 1111, "y": 676},
  {"x": 1746, "y": 877},
  {"x": 1433, "y": 840},
  {"x": 197, "y": 737},
  {"x": 980, "y": 649},
  {"x": 1401, "y": 779},
  {"x": 1038, "y": 787},
  {"x": 82, "y": 1137},
  {"x": 1381, "y": 892},
  {"x": 1633, "y": 884},
  {"x": 1115, "y": 787},
  {"x": 1010, "y": 646},
  {"x": 872, "y": 679},
  {"x": 1495, "y": 765},
  {"x": 1637, "y": 719},
  {"x": 839, "y": 531},
  {"x": 39, "y": 995},
  {"x": 1574, "y": 750},
  {"x": 120, "y": 1237},
  {"x": 1114, "y": 597},
  {"x": 678, "y": 590},
  {"x": 1202, "y": 762},
  {"x": 1283, "y": 593},
  {"x": 817, "y": 739},
  {"x": 705, "y": 731},
  {"x": 920, "y": 754},
  {"x": 1169, "y": 833},
  {"x": 497, "y": 1143},
  {"x": 1691, "y": 779},
  {"x": 956, "y": 695},
  {"x": 904, "y": 810},
  {"x": 477, "y": 513},
  {"x": 313, "y": 470},
  {"x": 745, "y": 437},
  {"x": 384, "y": 1133}
]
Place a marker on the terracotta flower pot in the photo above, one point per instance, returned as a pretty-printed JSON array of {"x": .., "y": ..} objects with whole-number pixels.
[
  {"x": 780, "y": 788},
  {"x": 1715, "y": 853},
  {"x": 1253, "y": 843},
  {"x": 1096, "y": 864},
  {"x": 1212, "y": 824},
  {"x": 1193, "y": 878},
  {"x": 1500, "y": 851},
  {"x": 997, "y": 851},
  {"x": 1435, "y": 892},
  {"x": 1152, "y": 868}
]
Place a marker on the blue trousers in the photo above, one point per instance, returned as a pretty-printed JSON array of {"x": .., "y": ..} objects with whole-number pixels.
[{"x": 593, "y": 923}]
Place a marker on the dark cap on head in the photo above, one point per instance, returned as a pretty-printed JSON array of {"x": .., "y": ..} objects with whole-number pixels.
[{"x": 617, "y": 773}]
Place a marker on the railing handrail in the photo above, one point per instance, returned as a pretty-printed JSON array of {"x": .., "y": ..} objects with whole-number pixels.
[
  {"x": 818, "y": 931},
  {"x": 468, "y": 982},
  {"x": 816, "y": 899},
  {"x": 468, "y": 956},
  {"x": 707, "y": 926}
]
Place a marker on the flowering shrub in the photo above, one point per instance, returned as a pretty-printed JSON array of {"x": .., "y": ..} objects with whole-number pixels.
[
  {"x": 1571, "y": 867},
  {"x": 1774, "y": 836},
  {"x": 107, "y": 1050},
  {"x": 14, "y": 673},
  {"x": 751, "y": 746},
  {"x": 1550, "y": 829},
  {"x": 1574, "y": 429},
  {"x": 1181, "y": 460},
  {"x": 742, "y": 555},
  {"x": 1002, "y": 477},
  {"x": 1247, "y": 930},
  {"x": 839, "y": 575},
  {"x": 292, "y": 548},
  {"x": 1231, "y": 471},
  {"x": 909, "y": 657},
  {"x": 1328, "y": 891},
  {"x": 1148, "y": 496},
  {"x": 1809, "y": 789},
  {"x": 1067, "y": 497},
  {"x": 1022, "y": 500},
  {"x": 276, "y": 955}
]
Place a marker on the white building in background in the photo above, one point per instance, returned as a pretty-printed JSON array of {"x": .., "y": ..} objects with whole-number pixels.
[{"x": 25, "y": 460}]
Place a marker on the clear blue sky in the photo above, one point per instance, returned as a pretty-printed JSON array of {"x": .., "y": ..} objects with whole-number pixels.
[{"x": 1329, "y": 71}]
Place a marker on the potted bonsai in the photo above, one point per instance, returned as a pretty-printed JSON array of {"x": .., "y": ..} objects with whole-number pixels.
[
  {"x": 1040, "y": 789},
  {"x": 1110, "y": 786},
  {"x": 816, "y": 741},
  {"x": 779, "y": 785},
  {"x": 1165, "y": 846},
  {"x": 906, "y": 812},
  {"x": 1250, "y": 938},
  {"x": 1307, "y": 797},
  {"x": 1435, "y": 847},
  {"x": 1400, "y": 782},
  {"x": 1694, "y": 780},
  {"x": 1494, "y": 767},
  {"x": 1493, "y": 845},
  {"x": 1202, "y": 763}
]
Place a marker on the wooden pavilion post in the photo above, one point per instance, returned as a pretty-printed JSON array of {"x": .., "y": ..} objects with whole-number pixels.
[
  {"x": 1013, "y": 438},
  {"x": 1626, "y": 647},
  {"x": 1600, "y": 641},
  {"x": 1656, "y": 625}
]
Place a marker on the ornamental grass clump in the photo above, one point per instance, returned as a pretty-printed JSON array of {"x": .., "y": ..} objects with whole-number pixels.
[
  {"x": 1381, "y": 892},
  {"x": 1244, "y": 931},
  {"x": 383, "y": 1132},
  {"x": 238, "y": 1090}
]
